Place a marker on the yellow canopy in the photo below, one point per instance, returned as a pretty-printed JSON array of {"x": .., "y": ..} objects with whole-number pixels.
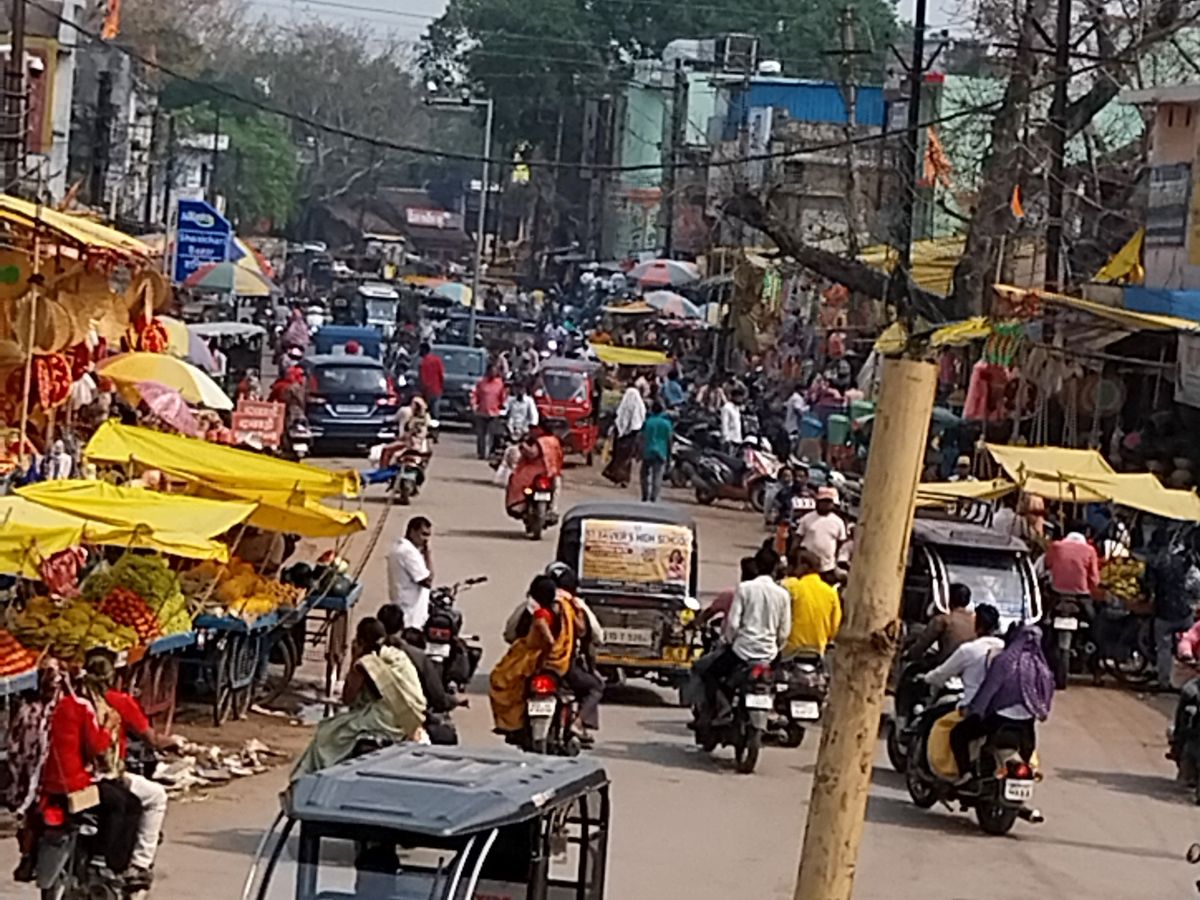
[
  {"x": 629, "y": 356},
  {"x": 290, "y": 512},
  {"x": 130, "y": 369},
  {"x": 1126, "y": 318},
  {"x": 956, "y": 334},
  {"x": 30, "y": 532},
  {"x": 76, "y": 229},
  {"x": 99, "y": 501},
  {"x": 637, "y": 308},
  {"x": 940, "y": 493},
  {"x": 227, "y": 468}
]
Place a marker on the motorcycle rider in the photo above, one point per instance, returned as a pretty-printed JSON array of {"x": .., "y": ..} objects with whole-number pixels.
[
  {"x": 948, "y": 630},
  {"x": 538, "y": 456},
  {"x": 522, "y": 413},
  {"x": 823, "y": 531},
  {"x": 756, "y": 627},
  {"x": 969, "y": 661},
  {"x": 438, "y": 701},
  {"x": 816, "y": 607},
  {"x": 581, "y": 677}
]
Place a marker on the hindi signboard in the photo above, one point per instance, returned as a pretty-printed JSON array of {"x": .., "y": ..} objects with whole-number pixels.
[{"x": 258, "y": 423}]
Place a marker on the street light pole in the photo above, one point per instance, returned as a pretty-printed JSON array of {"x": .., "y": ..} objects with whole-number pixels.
[{"x": 481, "y": 225}]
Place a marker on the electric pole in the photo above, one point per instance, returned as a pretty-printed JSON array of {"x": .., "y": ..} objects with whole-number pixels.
[
  {"x": 169, "y": 171},
  {"x": 908, "y": 160},
  {"x": 14, "y": 100},
  {"x": 151, "y": 149},
  {"x": 850, "y": 93},
  {"x": 1058, "y": 144},
  {"x": 675, "y": 142},
  {"x": 101, "y": 136}
]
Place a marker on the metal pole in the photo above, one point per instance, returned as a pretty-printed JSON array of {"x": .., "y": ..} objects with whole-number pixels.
[
  {"x": 481, "y": 224},
  {"x": 912, "y": 140},
  {"x": 216, "y": 151},
  {"x": 1058, "y": 143},
  {"x": 14, "y": 100}
]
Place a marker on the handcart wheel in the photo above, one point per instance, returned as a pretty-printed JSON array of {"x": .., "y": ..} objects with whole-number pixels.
[
  {"x": 242, "y": 700},
  {"x": 222, "y": 689},
  {"x": 279, "y": 670}
]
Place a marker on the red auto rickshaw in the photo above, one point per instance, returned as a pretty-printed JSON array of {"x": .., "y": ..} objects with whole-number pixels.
[{"x": 568, "y": 402}]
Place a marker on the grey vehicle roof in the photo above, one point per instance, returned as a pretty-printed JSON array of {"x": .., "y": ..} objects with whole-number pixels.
[
  {"x": 441, "y": 791},
  {"x": 954, "y": 533},
  {"x": 642, "y": 512},
  {"x": 344, "y": 359}
]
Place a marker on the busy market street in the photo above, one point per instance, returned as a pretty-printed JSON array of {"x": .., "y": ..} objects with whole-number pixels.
[{"x": 689, "y": 826}]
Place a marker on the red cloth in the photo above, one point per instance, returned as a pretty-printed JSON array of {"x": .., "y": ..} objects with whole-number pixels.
[
  {"x": 549, "y": 462},
  {"x": 432, "y": 375},
  {"x": 1074, "y": 567},
  {"x": 75, "y": 739},
  {"x": 1189, "y": 643},
  {"x": 133, "y": 719},
  {"x": 489, "y": 395},
  {"x": 985, "y": 393}
]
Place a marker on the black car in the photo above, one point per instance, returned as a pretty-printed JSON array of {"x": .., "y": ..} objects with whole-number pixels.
[
  {"x": 351, "y": 401},
  {"x": 464, "y": 367}
]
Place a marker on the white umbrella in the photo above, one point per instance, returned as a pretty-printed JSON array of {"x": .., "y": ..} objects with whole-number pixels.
[{"x": 665, "y": 273}]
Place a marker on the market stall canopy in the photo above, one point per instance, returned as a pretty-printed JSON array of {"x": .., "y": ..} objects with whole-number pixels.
[
  {"x": 218, "y": 465},
  {"x": 455, "y": 292},
  {"x": 957, "y": 334},
  {"x": 76, "y": 229},
  {"x": 1128, "y": 319},
  {"x": 629, "y": 356},
  {"x": 940, "y": 493},
  {"x": 665, "y": 273},
  {"x": 31, "y": 532},
  {"x": 637, "y": 308},
  {"x": 289, "y": 511},
  {"x": 669, "y": 303},
  {"x": 130, "y": 507},
  {"x": 129, "y": 369}
]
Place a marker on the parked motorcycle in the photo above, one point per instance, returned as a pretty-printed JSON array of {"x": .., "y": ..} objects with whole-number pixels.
[
  {"x": 550, "y": 708},
  {"x": 750, "y": 698},
  {"x": 70, "y": 859},
  {"x": 1184, "y": 739},
  {"x": 801, "y": 684},
  {"x": 1000, "y": 790},
  {"x": 456, "y": 655},
  {"x": 745, "y": 478}
]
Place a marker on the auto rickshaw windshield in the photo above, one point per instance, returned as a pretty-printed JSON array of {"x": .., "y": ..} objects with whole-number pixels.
[
  {"x": 993, "y": 577},
  {"x": 565, "y": 387}
]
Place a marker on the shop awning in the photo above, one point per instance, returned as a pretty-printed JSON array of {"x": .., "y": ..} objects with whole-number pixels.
[
  {"x": 637, "y": 308},
  {"x": 629, "y": 356},
  {"x": 1125, "y": 318},
  {"x": 98, "y": 501},
  {"x": 288, "y": 512},
  {"x": 940, "y": 493},
  {"x": 956, "y": 334},
  {"x": 83, "y": 232},
  {"x": 221, "y": 466}
]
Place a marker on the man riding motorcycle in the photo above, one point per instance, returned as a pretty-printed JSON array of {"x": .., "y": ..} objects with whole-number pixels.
[
  {"x": 756, "y": 628},
  {"x": 538, "y": 456},
  {"x": 438, "y": 701}
]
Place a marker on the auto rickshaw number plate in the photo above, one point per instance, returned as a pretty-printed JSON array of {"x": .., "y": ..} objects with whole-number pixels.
[{"x": 630, "y": 637}]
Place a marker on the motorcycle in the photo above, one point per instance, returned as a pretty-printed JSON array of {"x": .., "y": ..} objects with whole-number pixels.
[
  {"x": 720, "y": 476},
  {"x": 70, "y": 861},
  {"x": 1072, "y": 646},
  {"x": 550, "y": 708},
  {"x": 1000, "y": 790},
  {"x": 912, "y": 697},
  {"x": 299, "y": 439},
  {"x": 1183, "y": 737},
  {"x": 457, "y": 656},
  {"x": 535, "y": 510},
  {"x": 801, "y": 684},
  {"x": 751, "y": 698}
]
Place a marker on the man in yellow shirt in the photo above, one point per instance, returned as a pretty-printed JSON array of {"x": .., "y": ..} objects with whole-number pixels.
[{"x": 816, "y": 608}]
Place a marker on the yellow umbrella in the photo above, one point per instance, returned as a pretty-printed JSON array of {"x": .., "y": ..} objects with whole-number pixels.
[
  {"x": 129, "y": 369},
  {"x": 178, "y": 336}
]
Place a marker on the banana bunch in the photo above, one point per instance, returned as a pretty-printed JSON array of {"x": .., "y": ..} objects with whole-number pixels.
[
  {"x": 69, "y": 631},
  {"x": 1123, "y": 578}
]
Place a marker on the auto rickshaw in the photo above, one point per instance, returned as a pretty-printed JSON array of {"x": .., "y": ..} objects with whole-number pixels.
[
  {"x": 242, "y": 344},
  {"x": 568, "y": 402},
  {"x": 413, "y": 822},
  {"x": 638, "y": 568}
]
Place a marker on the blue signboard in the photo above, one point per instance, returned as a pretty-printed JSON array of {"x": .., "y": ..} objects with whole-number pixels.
[{"x": 202, "y": 236}]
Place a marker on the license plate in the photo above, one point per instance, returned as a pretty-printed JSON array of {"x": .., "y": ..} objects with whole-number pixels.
[
  {"x": 808, "y": 710},
  {"x": 1018, "y": 790},
  {"x": 759, "y": 701},
  {"x": 408, "y": 475},
  {"x": 630, "y": 637},
  {"x": 437, "y": 651},
  {"x": 300, "y": 448},
  {"x": 542, "y": 497},
  {"x": 352, "y": 409},
  {"x": 1066, "y": 623},
  {"x": 541, "y": 708}
]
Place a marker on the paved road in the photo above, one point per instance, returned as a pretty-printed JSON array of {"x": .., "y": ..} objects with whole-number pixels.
[{"x": 686, "y": 826}]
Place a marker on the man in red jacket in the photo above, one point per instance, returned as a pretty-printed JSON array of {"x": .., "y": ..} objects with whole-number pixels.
[{"x": 431, "y": 379}]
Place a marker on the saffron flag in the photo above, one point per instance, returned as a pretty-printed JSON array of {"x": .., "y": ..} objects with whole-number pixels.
[
  {"x": 112, "y": 20},
  {"x": 937, "y": 163},
  {"x": 1018, "y": 210}
]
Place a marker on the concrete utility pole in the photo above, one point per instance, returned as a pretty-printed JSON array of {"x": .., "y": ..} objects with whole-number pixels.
[
  {"x": 675, "y": 142},
  {"x": 869, "y": 636},
  {"x": 1058, "y": 145},
  {"x": 14, "y": 101},
  {"x": 850, "y": 94},
  {"x": 908, "y": 162}
]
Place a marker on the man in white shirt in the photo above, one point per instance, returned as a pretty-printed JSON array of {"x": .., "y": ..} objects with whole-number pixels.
[
  {"x": 731, "y": 426},
  {"x": 822, "y": 531},
  {"x": 756, "y": 627},
  {"x": 522, "y": 412},
  {"x": 409, "y": 574},
  {"x": 794, "y": 412}
]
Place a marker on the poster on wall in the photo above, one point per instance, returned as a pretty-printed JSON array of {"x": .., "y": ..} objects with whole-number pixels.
[
  {"x": 1187, "y": 376},
  {"x": 1167, "y": 205},
  {"x": 650, "y": 557}
]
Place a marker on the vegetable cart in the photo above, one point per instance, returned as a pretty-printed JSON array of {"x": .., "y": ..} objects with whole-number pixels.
[
  {"x": 225, "y": 661},
  {"x": 328, "y": 626},
  {"x": 153, "y": 676}
]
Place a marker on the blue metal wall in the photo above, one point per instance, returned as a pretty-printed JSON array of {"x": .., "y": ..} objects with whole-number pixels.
[{"x": 804, "y": 101}]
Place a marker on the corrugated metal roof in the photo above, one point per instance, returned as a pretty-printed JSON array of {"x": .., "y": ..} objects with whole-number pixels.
[{"x": 805, "y": 101}]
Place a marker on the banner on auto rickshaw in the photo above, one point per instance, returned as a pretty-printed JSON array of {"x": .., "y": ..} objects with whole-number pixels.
[{"x": 652, "y": 557}]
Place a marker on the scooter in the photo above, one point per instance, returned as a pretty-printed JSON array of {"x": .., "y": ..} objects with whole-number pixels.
[
  {"x": 299, "y": 440},
  {"x": 751, "y": 697},
  {"x": 456, "y": 655},
  {"x": 801, "y": 684},
  {"x": 720, "y": 476}
]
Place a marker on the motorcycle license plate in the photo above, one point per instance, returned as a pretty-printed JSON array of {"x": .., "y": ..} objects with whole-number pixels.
[
  {"x": 542, "y": 497},
  {"x": 1018, "y": 790},
  {"x": 300, "y": 449},
  {"x": 437, "y": 651},
  {"x": 352, "y": 409},
  {"x": 629, "y": 637},
  {"x": 807, "y": 710},
  {"x": 409, "y": 475},
  {"x": 1066, "y": 623},
  {"x": 541, "y": 708},
  {"x": 759, "y": 701}
]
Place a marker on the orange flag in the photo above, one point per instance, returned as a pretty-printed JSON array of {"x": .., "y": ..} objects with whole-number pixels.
[
  {"x": 112, "y": 20},
  {"x": 1018, "y": 210},
  {"x": 937, "y": 163}
]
